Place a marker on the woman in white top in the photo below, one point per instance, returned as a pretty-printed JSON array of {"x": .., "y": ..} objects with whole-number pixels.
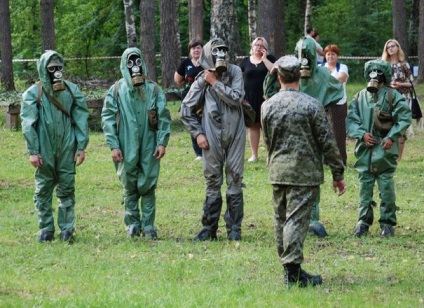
[{"x": 337, "y": 113}]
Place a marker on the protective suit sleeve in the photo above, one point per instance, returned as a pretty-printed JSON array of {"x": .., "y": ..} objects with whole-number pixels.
[
  {"x": 164, "y": 120},
  {"x": 80, "y": 117},
  {"x": 109, "y": 120},
  {"x": 354, "y": 123},
  {"x": 231, "y": 95},
  {"x": 29, "y": 118},
  {"x": 189, "y": 105},
  {"x": 271, "y": 85}
]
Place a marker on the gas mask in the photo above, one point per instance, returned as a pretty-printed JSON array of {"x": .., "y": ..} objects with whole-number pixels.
[
  {"x": 135, "y": 67},
  {"x": 55, "y": 70},
  {"x": 305, "y": 69},
  {"x": 218, "y": 54},
  {"x": 375, "y": 77}
]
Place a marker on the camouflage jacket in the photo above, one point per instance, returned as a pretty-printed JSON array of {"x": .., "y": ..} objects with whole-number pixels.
[{"x": 297, "y": 135}]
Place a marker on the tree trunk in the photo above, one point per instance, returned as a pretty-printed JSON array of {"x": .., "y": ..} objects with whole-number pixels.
[
  {"x": 225, "y": 26},
  {"x": 6, "y": 47},
  {"x": 251, "y": 8},
  {"x": 170, "y": 51},
  {"x": 47, "y": 25},
  {"x": 147, "y": 36},
  {"x": 413, "y": 27},
  {"x": 195, "y": 19},
  {"x": 420, "y": 78},
  {"x": 399, "y": 24},
  {"x": 130, "y": 24},
  {"x": 308, "y": 13},
  {"x": 271, "y": 25}
]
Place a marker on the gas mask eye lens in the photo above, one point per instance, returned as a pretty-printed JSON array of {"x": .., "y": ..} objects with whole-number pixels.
[
  {"x": 214, "y": 51},
  {"x": 52, "y": 69},
  {"x": 138, "y": 62},
  {"x": 373, "y": 74},
  {"x": 130, "y": 63}
]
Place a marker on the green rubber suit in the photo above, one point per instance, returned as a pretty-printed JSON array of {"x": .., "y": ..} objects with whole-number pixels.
[
  {"x": 320, "y": 85},
  {"x": 56, "y": 139},
  {"x": 373, "y": 162},
  {"x": 126, "y": 127}
]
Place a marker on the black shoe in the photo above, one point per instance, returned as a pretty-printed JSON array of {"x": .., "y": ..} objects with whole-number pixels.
[
  {"x": 206, "y": 234},
  {"x": 45, "y": 236},
  {"x": 151, "y": 234},
  {"x": 387, "y": 231},
  {"x": 66, "y": 236},
  {"x": 234, "y": 236},
  {"x": 133, "y": 231},
  {"x": 318, "y": 230},
  {"x": 297, "y": 276},
  {"x": 360, "y": 230}
]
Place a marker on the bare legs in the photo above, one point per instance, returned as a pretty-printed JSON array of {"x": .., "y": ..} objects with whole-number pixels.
[{"x": 254, "y": 137}]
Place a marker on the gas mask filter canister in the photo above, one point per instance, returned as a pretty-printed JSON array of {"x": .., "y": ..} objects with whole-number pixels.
[
  {"x": 134, "y": 66},
  {"x": 374, "y": 80},
  {"x": 305, "y": 70}
]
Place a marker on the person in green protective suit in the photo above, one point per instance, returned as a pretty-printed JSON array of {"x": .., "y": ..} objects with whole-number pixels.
[
  {"x": 377, "y": 117},
  {"x": 137, "y": 125},
  {"x": 54, "y": 123},
  {"x": 317, "y": 82}
]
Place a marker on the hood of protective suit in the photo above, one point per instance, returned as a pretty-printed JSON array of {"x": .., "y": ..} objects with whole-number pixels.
[
  {"x": 124, "y": 69},
  {"x": 307, "y": 47},
  {"x": 206, "y": 58},
  {"x": 45, "y": 58},
  {"x": 379, "y": 65}
]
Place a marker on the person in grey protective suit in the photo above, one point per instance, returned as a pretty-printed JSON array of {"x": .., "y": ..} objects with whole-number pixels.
[
  {"x": 317, "y": 82},
  {"x": 137, "y": 125},
  {"x": 377, "y": 117},
  {"x": 219, "y": 92},
  {"x": 54, "y": 123}
]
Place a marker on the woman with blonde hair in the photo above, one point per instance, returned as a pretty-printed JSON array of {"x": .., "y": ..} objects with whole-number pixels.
[
  {"x": 254, "y": 68},
  {"x": 402, "y": 78}
]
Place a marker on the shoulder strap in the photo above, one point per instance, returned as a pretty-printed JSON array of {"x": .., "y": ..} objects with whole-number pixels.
[
  {"x": 357, "y": 104},
  {"x": 390, "y": 97},
  {"x": 40, "y": 91}
]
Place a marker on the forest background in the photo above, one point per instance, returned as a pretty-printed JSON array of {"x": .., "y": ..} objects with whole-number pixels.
[{"x": 92, "y": 35}]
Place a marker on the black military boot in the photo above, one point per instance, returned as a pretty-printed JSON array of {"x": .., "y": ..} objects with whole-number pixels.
[
  {"x": 210, "y": 218},
  {"x": 234, "y": 216},
  {"x": 295, "y": 275},
  {"x": 45, "y": 236},
  {"x": 360, "y": 230},
  {"x": 66, "y": 236}
]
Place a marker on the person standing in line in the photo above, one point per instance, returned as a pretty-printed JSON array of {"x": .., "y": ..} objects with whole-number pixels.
[
  {"x": 219, "y": 92},
  {"x": 377, "y": 118},
  {"x": 317, "y": 82},
  {"x": 312, "y": 33},
  {"x": 254, "y": 68},
  {"x": 55, "y": 126},
  {"x": 337, "y": 113},
  {"x": 298, "y": 136},
  {"x": 320, "y": 58},
  {"x": 137, "y": 125},
  {"x": 185, "y": 75},
  {"x": 402, "y": 78}
]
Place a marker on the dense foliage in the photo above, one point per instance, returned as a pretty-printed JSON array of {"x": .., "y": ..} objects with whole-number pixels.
[{"x": 96, "y": 28}]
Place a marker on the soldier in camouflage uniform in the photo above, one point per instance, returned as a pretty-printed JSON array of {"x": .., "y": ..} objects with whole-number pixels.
[
  {"x": 377, "y": 149},
  {"x": 317, "y": 82},
  {"x": 297, "y": 136}
]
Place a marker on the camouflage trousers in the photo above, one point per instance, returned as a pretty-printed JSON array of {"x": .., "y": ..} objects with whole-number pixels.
[{"x": 292, "y": 209}]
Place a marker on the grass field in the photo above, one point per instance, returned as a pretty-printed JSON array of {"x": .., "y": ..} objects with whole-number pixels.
[{"x": 104, "y": 268}]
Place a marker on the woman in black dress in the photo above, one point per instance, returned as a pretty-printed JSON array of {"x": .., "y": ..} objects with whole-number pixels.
[
  {"x": 185, "y": 75},
  {"x": 255, "y": 67}
]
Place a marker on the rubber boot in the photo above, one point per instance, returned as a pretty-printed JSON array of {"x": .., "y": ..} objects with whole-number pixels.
[
  {"x": 315, "y": 227},
  {"x": 294, "y": 275},
  {"x": 234, "y": 216},
  {"x": 210, "y": 218}
]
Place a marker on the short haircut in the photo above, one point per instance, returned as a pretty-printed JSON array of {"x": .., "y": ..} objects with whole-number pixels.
[{"x": 332, "y": 48}]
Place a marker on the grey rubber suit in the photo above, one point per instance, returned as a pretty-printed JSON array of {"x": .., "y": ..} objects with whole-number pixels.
[
  {"x": 223, "y": 125},
  {"x": 125, "y": 124},
  {"x": 322, "y": 86},
  {"x": 49, "y": 133}
]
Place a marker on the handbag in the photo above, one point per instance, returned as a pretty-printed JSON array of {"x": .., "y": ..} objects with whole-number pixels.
[
  {"x": 415, "y": 105},
  {"x": 249, "y": 114}
]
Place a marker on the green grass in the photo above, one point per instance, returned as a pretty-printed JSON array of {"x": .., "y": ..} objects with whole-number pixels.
[{"x": 105, "y": 268}]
